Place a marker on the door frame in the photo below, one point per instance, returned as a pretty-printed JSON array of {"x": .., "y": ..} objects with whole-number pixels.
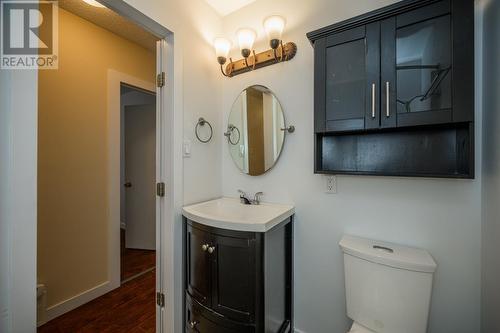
[
  {"x": 114, "y": 117},
  {"x": 168, "y": 170}
]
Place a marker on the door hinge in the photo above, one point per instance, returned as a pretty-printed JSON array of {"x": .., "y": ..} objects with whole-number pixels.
[
  {"x": 160, "y": 79},
  {"x": 160, "y": 299},
  {"x": 160, "y": 189}
]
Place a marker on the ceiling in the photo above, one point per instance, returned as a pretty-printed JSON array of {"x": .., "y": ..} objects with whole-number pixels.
[
  {"x": 109, "y": 20},
  {"x": 225, "y": 7}
]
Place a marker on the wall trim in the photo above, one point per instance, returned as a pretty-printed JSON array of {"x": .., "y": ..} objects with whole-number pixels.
[{"x": 73, "y": 302}]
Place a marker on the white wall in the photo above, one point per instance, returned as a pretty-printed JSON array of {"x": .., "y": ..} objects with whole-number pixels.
[
  {"x": 440, "y": 215},
  {"x": 18, "y": 130},
  {"x": 491, "y": 169},
  {"x": 4, "y": 226}
]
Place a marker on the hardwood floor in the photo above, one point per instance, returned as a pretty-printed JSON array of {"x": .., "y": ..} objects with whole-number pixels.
[
  {"x": 135, "y": 261},
  {"x": 130, "y": 308}
]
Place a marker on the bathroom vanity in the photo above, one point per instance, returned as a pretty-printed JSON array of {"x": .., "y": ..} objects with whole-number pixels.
[{"x": 238, "y": 264}]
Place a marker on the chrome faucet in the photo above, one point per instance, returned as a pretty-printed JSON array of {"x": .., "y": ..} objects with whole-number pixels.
[{"x": 246, "y": 201}]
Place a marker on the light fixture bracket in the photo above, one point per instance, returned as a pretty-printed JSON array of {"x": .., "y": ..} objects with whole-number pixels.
[{"x": 284, "y": 52}]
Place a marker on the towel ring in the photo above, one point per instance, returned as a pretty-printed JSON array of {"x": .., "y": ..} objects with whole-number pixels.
[
  {"x": 230, "y": 129},
  {"x": 202, "y": 122}
]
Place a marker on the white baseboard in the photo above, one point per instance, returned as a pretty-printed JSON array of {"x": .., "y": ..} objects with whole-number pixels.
[{"x": 72, "y": 303}]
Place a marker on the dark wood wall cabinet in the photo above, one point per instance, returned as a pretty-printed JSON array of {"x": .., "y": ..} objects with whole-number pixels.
[
  {"x": 394, "y": 91},
  {"x": 238, "y": 281}
]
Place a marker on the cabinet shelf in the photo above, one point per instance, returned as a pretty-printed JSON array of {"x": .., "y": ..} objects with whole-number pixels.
[{"x": 427, "y": 151}]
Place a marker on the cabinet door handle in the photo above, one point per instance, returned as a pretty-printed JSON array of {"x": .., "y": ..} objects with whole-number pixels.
[
  {"x": 387, "y": 110},
  {"x": 211, "y": 249},
  {"x": 204, "y": 247},
  {"x": 373, "y": 100}
]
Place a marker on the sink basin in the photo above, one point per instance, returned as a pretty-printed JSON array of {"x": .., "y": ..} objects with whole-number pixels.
[{"x": 229, "y": 213}]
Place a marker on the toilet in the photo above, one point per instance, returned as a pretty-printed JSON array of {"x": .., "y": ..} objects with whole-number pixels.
[{"x": 388, "y": 286}]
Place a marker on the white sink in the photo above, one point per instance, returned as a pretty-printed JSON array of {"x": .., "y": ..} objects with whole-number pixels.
[{"x": 229, "y": 213}]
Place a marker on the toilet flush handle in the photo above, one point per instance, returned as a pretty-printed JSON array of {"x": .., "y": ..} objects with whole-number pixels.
[{"x": 383, "y": 248}]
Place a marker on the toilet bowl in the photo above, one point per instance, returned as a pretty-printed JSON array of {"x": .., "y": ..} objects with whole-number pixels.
[{"x": 357, "y": 328}]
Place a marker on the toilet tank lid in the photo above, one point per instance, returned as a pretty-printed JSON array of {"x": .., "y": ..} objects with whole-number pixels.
[{"x": 389, "y": 254}]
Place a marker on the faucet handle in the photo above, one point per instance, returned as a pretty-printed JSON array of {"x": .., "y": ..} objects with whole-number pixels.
[
  {"x": 257, "y": 196},
  {"x": 243, "y": 198}
]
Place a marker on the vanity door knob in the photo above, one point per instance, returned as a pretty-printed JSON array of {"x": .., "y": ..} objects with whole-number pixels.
[
  {"x": 211, "y": 249},
  {"x": 193, "y": 323},
  {"x": 204, "y": 247}
]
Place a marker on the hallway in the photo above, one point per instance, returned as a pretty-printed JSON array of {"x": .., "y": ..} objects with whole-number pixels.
[{"x": 129, "y": 308}]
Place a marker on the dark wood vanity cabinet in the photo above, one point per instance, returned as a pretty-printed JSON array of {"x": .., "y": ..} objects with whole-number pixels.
[
  {"x": 403, "y": 72},
  {"x": 238, "y": 281}
]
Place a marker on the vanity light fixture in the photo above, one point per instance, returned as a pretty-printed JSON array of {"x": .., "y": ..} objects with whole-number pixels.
[
  {"x": 94, "y": 3},
  {"x": 273, "y": 26},
  {"x": 246, "y": 38},
  {"x": 222, "y": 47}
]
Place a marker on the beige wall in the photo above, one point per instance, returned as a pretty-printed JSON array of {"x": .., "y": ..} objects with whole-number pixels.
[{"x": 72, "y": 159}]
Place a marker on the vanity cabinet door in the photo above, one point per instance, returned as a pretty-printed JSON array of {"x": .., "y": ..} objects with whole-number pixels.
[
  {"x": 234, "y": 277},
  {"x": 198, "y": 264},
  {"x": 201, "y": 320},
  {"x": 347, "y": 71}
]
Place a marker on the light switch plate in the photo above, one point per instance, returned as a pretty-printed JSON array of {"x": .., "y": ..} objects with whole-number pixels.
[
  {"x": 331, "y": 184},
  {"x": 186, "y": 148}
]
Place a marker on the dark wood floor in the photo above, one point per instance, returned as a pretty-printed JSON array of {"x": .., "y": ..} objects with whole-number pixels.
[
  {"x": 130, "y": 308},
  {"x": 135, "y": 261}
]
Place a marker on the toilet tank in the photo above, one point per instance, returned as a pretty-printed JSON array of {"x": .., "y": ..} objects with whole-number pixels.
[{"x": 388, "y": 286}]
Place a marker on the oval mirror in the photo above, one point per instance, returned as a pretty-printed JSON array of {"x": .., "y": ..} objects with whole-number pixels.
[{"x": 255, "y": 130}]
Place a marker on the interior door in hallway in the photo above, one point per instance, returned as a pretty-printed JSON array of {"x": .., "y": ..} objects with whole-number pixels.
[{"x": 140, "y": 170}]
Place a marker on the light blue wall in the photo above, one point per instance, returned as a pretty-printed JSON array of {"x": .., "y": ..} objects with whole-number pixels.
[{"x": 441, "y": 215}]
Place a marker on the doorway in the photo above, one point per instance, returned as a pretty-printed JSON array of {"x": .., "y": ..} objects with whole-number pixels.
[
  {"x": 138, "y": 176},
  {"x": 81, "y": 283}
]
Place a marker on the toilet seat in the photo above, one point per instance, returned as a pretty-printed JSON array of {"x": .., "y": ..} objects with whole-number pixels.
[{"x": 357, "y": 328}]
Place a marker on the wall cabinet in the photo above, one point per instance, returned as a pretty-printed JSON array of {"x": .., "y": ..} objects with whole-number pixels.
[
  {"x": 238, "y": 281},
  {"x": 380, "y": 76}
]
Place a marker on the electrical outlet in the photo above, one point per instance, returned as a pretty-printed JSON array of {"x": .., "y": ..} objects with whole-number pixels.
[{"x": 331, "y": 184}]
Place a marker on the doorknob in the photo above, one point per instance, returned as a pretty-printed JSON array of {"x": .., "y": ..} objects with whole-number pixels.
[
  {"x": 128, "y": 184},
  {"x": 211, "y": 249}
]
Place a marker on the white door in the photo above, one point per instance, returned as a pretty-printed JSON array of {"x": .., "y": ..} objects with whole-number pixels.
[{"x": 140, "y": 176}]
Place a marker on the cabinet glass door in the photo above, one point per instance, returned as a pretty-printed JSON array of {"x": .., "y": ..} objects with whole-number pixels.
[
  {"x": 345, "y": 81},
  {"x": 423, "y": 71},
  {"x": 352, "y": 79}
]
